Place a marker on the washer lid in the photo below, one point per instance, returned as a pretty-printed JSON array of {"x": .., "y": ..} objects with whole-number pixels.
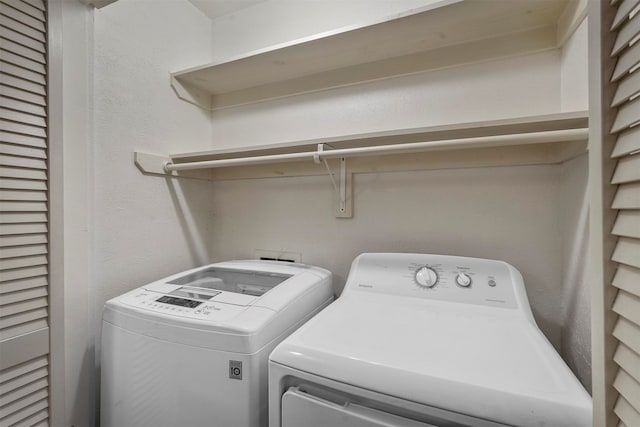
[{"x": 492, "y": 364}]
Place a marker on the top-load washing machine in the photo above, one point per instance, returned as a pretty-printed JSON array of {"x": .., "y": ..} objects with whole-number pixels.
[
  {"x": 424, "y": 340},
  {"x": 191, "y": 350}
]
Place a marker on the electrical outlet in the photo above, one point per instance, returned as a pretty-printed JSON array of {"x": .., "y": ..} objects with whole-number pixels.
[{"x": 278, "y": 255}]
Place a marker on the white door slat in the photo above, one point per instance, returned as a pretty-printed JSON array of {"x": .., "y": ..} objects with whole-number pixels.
[
  {"x": 22, "y": 84},
  {"x": 23, "y": 273},
  {"x": 16, "y": 297},
  {"x": 26, "y": 8},
  {"x": 627, "y": 88},
  {"x": 627, "y": 224},
  {"x": 13, "y": 127},
  {"x": 626, "y": 306},
  {"x": 626, "y": 33},
  {"x": 628, "y": 279},
  {"x": 628, "y": 333},
  {"x": 22, "y": 184},
  {"x": 10, "y": 310},
  {"x": 20, "y": 251},
  {"x": 627, "y": 170},
  {"x": 24, "y": 414},
  {"x": 21, "y": 106},
  {"x": 22, "y": 151},
  {"x": 24, "y": 239},
  {"x": 24, "y": 328},
  {"x": 23, "y": 207},
  {"x": 16, "y": 37},
  {"x": 622, "y": 14},
  {"x": 21, "y": 17},
  {"x": 38, "y": 4},
  {"x": 23, "y": 217},
  {"x": 21, "y": 73},
  {"x": 27, "y": 317},
  {"x": 626, "y": 61},
  {"x": 25, "y": 368},
  {"x": 626, "y": 412},
  {"x": 23, "y": 95},
  {"x": 627, "y": 196},
  {"x": 34, "y": 377},
  {"x": 25, "y": 402},
  {"x": 15, "y": 138},
  {"x": 28, "y": 261},
  {"x": 628, "y": 386},
  {"x": 23, "y": 118},
  {"x": 23, "y": 284},
  {"x": 11, "y": 229},
  {"x": 23, "y": 51},
  {"x": 627, "y": 251},
  {"x": 22, "y": 195},
  {"x": 628, "y": 360},
  {"x": 30, "y": 393},
  {"x": 627, "y": 142},
  {"x": 22, "y": 162},
  {"x": 35, "y": 174},
  {"x": 23, "y": 62},
  {"x": 23, "y": 29},
  {"x": 39, "y": 419},
  {"x": 628, "y": 114}
]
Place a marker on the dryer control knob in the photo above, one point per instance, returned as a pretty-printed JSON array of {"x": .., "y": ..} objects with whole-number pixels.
[
  {"x": 426, "y": 277},
  {"x": 463, "y": 280}
]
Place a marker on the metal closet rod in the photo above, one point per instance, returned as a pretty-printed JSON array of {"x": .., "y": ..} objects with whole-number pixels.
[{"x": 376, "y": 150}]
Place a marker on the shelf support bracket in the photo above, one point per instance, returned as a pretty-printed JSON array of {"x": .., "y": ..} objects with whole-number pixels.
[
  {"x": 344, "y": 201},
  {"x": 191, "y": 94}
]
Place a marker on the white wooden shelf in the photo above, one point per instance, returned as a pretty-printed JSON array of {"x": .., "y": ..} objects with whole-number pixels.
[
  {"x": 443, "y": 34},
  {"x": 548, "y": 152},
  {"x": 545, "y": 139}
]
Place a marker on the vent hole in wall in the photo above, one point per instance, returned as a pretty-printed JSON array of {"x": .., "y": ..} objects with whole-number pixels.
[{"x": 264, "y": 258}]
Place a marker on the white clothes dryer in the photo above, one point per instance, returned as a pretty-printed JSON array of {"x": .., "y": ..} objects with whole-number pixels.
[
  {"x": 191, "y": 350},
  {"x": 424, "y": 340}
]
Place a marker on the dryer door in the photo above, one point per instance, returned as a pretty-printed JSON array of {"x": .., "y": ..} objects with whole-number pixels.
[{"x": 300, "y": 409}]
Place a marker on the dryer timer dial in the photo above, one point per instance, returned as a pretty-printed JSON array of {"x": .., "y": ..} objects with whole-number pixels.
[{"x": 426, "y": 277}]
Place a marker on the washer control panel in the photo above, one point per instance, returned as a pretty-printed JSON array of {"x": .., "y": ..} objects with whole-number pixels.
[
  {"x": 181, "y": 307},
  {"x": 438, "y": 277}
]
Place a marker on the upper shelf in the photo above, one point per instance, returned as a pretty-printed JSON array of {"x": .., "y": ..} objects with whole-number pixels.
[{"x": 442, "y": 34}]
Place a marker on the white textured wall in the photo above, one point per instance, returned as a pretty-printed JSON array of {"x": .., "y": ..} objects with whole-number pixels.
[
  {"x": 475, "y": 212},
  {"x": 574, "y": 67},
  {"x": 522, "y": 86},
  {"x": 145, "y": 227},
  {"x": 508, "y": 213},
  {"x": 576, "y": 296}
]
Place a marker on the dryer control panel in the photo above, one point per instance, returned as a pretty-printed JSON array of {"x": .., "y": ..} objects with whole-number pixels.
[{"x": 438, "y": 277}]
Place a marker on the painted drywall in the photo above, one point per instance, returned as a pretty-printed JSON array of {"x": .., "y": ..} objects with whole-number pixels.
[
  {"x": 576, "y": 301},
  {"x": 477, "y": 212},
  {"x": 518, "y": 214},
  {"x": 574, "y": 67},
  {"x": 508, "y": 88},
  {"x": 145, "y": 227},
  {"x": 576, "y": 307}
]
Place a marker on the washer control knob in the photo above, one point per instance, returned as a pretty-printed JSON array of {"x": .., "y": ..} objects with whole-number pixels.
[
  {"x": 426, "y": 277},
  {"x": 463, "y": 280}
]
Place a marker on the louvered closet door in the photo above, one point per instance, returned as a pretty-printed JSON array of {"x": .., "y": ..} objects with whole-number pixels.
[
  {"x": 626, "y": 255},
  {"x": 24, "y": 331}
]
